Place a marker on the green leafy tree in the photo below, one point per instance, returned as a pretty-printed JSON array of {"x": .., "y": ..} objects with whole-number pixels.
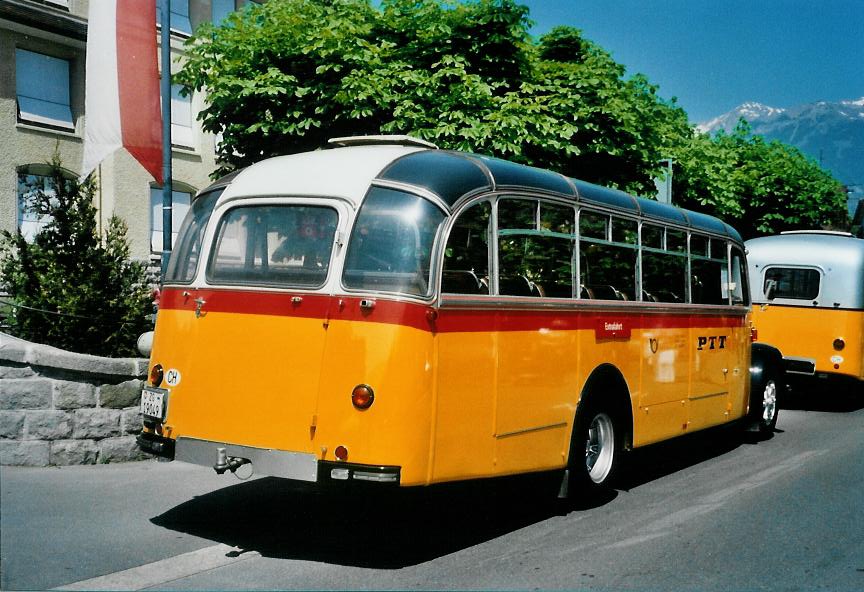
[
  {"x": 285, "y": 76},
  {"x": 758, "y": 186},
  {"x": 68, "y": 288}
]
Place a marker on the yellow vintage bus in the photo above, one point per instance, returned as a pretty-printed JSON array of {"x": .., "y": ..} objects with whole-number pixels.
[
  {"x": 808, "y": 295},
  {"x": 387, "y": 312}
]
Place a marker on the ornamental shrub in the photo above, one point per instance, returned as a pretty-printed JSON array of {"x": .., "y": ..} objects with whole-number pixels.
[{"x": 69, "y": 287}]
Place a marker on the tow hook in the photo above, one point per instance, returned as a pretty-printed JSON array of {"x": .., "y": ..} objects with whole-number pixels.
[{"x": 228, "y": 463}]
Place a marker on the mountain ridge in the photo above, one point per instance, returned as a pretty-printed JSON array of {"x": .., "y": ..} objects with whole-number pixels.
[{"x": 832, "y": 133}]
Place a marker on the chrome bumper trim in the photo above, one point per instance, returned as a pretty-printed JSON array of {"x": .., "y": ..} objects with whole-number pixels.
[{"x": 265, "y": 461}]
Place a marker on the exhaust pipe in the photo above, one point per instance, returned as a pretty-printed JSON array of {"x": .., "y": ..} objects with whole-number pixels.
[{"x": 228, "y": 463}]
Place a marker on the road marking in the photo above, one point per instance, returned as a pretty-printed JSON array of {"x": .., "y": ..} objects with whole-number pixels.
[{"x": 167, "y": 570}]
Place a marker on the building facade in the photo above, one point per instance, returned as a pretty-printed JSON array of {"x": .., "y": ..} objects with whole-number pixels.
[{"x": 42, "y": 79}]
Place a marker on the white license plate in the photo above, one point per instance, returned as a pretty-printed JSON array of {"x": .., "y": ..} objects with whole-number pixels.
[{"x": 153, "y": 403}]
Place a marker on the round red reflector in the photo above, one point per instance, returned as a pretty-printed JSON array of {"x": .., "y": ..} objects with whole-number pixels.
[
  {"x": 362, "y": 396},
  {"x": 839, "y": 344},
  {"x": 156, "y": 374},
  {"x": 341, "y": 453}
]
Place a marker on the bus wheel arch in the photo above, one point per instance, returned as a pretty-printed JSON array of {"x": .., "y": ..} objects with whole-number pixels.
[{"x": 602, "y": 431}]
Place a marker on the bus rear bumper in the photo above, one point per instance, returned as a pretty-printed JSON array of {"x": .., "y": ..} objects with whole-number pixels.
[{"x": 265, "y": 461}]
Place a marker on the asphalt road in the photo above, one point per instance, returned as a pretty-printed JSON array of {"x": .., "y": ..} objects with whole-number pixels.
[{"x": 708, "y": 512}]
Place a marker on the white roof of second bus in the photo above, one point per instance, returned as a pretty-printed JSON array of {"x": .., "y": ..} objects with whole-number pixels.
[
  {"x": 841, "y": 258},
  {"x": 338, "y": 172}
]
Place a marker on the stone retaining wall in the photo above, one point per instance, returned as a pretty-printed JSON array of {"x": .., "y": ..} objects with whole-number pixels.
[{"x": 63, "y": 408}]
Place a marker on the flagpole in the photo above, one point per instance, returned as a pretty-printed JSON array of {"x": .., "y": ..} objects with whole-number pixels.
[{"x": 167, "y": 190}]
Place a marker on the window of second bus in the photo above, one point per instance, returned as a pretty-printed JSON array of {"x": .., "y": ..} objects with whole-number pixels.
[{"x": 795, "y": 283}]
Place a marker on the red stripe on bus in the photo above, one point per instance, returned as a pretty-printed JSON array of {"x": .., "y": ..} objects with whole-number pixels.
[{"x": 426, "y": 318}]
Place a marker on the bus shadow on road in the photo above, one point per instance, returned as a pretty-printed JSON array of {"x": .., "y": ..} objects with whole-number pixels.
[
  {"x": 362, "y": 527},
  {"x": 656, "y": 461},
  {"x": 838, "y": 394}
]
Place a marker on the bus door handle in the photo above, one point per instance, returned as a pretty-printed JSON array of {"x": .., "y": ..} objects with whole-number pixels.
[{"x": 199, "y": 302}]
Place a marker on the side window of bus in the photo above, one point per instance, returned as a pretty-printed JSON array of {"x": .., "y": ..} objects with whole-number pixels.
[
  {"x": 184, "y": 260},
  {"x": 795, "y": 283},
  {"x": 535, "y": 248},
  {"x": 466, "y": 257},
  {"x": 391, "y": 244},
  {"x": 707, "y": 273},
  {"x": 738, "y": 287},
  {"x": 607, "y": 256},
  {"x": 664, "y": 265},
  {"x": 274, "y": 245}
]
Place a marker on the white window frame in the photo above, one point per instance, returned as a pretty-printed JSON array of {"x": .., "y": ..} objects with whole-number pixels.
[
  {"x": 31, "y": 224},
  {"x": 182, "y": 131},
  {"x": 42, "y": 89}
]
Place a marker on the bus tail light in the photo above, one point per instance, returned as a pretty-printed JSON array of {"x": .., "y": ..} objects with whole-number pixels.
[
  {"x": 362, "y": 396},
  {"x": 156, "y": 375},
  {"x": 341, "y": 453},
  {"x": 839, "y": 344},
  {"x": 754, "y": 334}
]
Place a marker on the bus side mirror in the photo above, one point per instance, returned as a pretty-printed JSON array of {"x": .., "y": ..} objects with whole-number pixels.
[{"x": 770, "y": 288}]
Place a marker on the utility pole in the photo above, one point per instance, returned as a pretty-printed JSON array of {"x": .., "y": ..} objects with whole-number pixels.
[
  {"x": 167, "y": 186},
  {"x": 664, "y": 183}
]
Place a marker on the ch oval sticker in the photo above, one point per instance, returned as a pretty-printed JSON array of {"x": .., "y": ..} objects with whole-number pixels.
[{"x": 172, "y": 377}]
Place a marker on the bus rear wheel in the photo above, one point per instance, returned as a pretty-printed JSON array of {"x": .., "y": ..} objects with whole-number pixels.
[{"x": 595, "y": 452}]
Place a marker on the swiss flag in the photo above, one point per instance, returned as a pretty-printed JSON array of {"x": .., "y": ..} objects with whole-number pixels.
[{"x": 122, "y": 89}]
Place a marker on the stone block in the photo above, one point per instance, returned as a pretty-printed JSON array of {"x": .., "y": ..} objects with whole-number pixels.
[
  {"x": 119, "y": 396},
  {"x": 65, "y": 360},
  {"x": 131, "y": 421},
  {"x": 121, "y": 449},
  {"x": 33, "y": 453},
  {"x": 47, "y": 425},
  {"x": 12, "y": 370},
  {"x": 73, "y": 395},
  {"x": 96, "y": 423},
  {"x": 25, "y": 393},
  {"x": 74, "y": 452},
  {"x": 12, "y": 424},
  {"x": 13, "y": 349}
]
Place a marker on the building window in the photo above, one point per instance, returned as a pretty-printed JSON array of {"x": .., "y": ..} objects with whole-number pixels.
[
  {"x": 180, "y": 205},
  {"x": 181, "y": 118},
  {"x": 31, "y": 223},
  {"x": 180, "y": 22},
  {"x": 42, "y": 88}
]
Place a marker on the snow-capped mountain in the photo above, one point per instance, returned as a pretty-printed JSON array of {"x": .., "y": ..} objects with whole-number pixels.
[{"x": 830, "y": 133}]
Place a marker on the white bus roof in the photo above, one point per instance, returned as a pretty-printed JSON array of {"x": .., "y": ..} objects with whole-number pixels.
[{"x": 839, "y": 257}]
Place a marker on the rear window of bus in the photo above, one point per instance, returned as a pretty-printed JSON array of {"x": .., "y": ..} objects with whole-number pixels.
[
  {"x": 282, "y": 245},
  {"x": 795, "y": 283}
]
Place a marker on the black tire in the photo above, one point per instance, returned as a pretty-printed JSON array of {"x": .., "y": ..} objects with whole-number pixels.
[{"x": 595, "y": 451}]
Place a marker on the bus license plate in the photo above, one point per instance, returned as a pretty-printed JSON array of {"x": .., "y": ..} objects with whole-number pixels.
[{"x": 153, "y": 403}]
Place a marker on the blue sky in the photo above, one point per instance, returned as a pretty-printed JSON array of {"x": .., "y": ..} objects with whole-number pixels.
[{"x": 714, "y": 55}]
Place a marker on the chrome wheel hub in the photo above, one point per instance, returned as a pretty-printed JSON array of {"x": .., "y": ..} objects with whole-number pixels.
[
  {"x": 600, "y": 448},
  {"x": 769, "y": 402}
]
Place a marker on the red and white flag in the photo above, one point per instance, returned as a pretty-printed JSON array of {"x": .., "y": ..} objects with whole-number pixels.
[{"x": 122, "y": 90}]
